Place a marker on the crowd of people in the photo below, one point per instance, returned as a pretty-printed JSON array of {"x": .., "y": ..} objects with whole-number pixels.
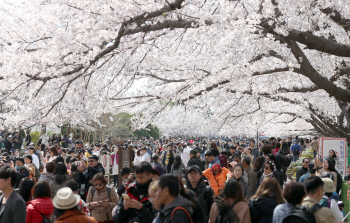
[{"x": 60, "y": 179}]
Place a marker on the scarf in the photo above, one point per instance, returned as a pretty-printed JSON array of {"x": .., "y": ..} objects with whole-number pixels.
[
  {"x": 268, "y": 175},
  {"x": 142, "y": 188},
  {"x": 167, "y": 160},
  {"x": 20, "y": 167}
]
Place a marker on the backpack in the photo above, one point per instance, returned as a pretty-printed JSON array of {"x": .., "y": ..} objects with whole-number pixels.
[
  {"x": 227, "y": 215},
  {"x": 182, "y": 209},
  {"x": 326, "y": 202},
  {"x": 107, "y": 188},
  {"x": 302, "y": 214},
  {"x": 45, "y": 219},
  {"x": 295, "y": 149}
]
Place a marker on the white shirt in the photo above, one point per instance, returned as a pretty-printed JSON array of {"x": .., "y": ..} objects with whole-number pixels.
[
  {"x": 36, "y": 161},
  {"x": 145, "y": 157},
  {"x": 185, "y": 155}
]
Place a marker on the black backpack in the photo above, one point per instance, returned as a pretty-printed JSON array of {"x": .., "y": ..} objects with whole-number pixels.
[
  {"x": 224, "y": 215},
  {"x": 302, "y": 214},
  {"x": 45, "y": 219},
  {"x": 295, "y": 148}
]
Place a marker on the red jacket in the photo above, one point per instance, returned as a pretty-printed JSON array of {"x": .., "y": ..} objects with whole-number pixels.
[{"x": 44, "y": 205}]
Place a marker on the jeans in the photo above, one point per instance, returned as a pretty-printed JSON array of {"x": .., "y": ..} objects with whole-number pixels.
[
  {"x": 315, "y": 154},
  {"x": 295, "y": 158}
]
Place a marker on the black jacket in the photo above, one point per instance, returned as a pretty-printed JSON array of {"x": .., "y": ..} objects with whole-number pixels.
[
  {"x": 15, "y": 209},
  {"x": 88, "y": 174},
  {"x": 301, "y": 172},
  {"x": 205, "y": 196},
  {"x": 8, "y": 145},
  {"x": 195, "y": 161},
  {"x": 28, "y": 139},
  {"x": 22, "y": 173},
  {"x": 179, "y": 216},
  {"x": 261, "y": 209},
  {"x": 171, "y": 162},
  {"x": 144, "y": 215}
]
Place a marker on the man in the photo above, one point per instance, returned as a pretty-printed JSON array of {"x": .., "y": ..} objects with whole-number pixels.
[
  {"x": 303, "y": 170},
  {"x": 96, "y": 152},
  {"x": 12, "y": 205},
  {"x": 138, "y": 208},
  {"x": 8, "y": 143},
  {"x": 86, "y": 173},
  {"x": 21, "y": 170},
  {"x": 65, "y": 141},
  {"x": 295, "y": 151},
  {"x": 314, "y": 192},
  {"x": 203, "y": 193},
  {"x": 216, "y": 177},
  {"x": 168, "y": 196},
  {"x": 185, "y": 155},
  {"x": 209, "y": 156},
  {"x": 36, "y": 161},
  {"x": 28, "y": 138},
  {"x": 127, "y": 178},
  {"x": 312, "y": 172},
  {"x": 145, "y": 155},
  {"x": 17, "y": 141},
  {"x": 252, "y": 176},
  {"x": 237, "y": 159},
  {"x": 314, "y": 146},
  {"x": 194, "y": 160},
  {"x": 255, "y": 150}
]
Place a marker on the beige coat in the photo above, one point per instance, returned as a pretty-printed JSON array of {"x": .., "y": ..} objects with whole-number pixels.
[
  {"x": 241, "y": 209},
  {"x": 99, "y": 212},
  {"x": 324, "y": 215},
  {"x": 55, "y": 186}
]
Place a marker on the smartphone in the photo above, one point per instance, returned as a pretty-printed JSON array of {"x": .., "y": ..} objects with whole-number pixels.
[
  {"x": 126, "y": 197},
  {"x": 77, "y": 163}
]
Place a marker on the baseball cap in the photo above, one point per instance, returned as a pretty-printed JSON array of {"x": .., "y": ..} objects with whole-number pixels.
[
  {"x": 328, "y": 186},
  {"x": 158, "y": 170},
  {"x": 195, "y": 168},
  {"x": 311, "y": 166}
]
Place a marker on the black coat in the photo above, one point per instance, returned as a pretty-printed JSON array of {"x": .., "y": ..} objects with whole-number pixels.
[
  {"x": 171, "y": 162},
  {"x": 86, "y": 176},
  {"x": 195, "y": 161},
  {"x": 22, "y": 173},
  {"x": 261, "y": 209},
  {"x": 179, "y": 216},
  {"x": 301, "y": 172}
]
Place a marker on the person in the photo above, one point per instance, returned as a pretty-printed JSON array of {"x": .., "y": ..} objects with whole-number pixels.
[
  {"x": 101, "y": 199},
  {"x": 335, "y": 158},
  {"x": 50, "y": 168},
  {"x": 258, "y": 164},
  {"x": 178, "y": 166},
  {"x": 12, "y": 205},
  {"x": 252, "y": 176},
  {"x": 209, "y": 156},
  {"x": 41, "y": 205},
  {"x": 34, "y": 157},
  {"x": 29, "y": 165},
  {"x": 86, "y": 172},
  {"x": 168, "y": 193},
  {"x": 303, "y": 170},
  {"x": 74, "y": 186},
  {"x": 21, "y": 170},
  {"x": 8, "y": 143},
  {"x": 230, "y": 167},
  {"x": 255, "y": 150},
  {"x": 185, "y": 155},
  {"x": 127, "y": 177},
  {"x": 137, "y": 208},
  {"x": 268, "y": 171},
  {"x": 66, "y": 207},
  {"x": 234, "y": 201},
  {"x": 169, "y": 160},
  {"x": 145, "y": 155},
  {"x": 17, "y": 141},
  {"x": 156, "y": 164},
  {"x": 329, "y": 166},
  {"x": 314, "y": 146},
  {"x": 263, "y": 203},
  {"x": 314, "y": 191},
  {"x": 28, "y": 139},
  {"x": 152, "y": 191},
  {"x": 64, "y": 155},
  {"x": 238, "y": 172},
  {"x": 331, "y": 203},
  {"x": 194, "y": 160},
  {"x": 248, "y": 152},
  {"x": 59, "y": 179},
  {"x": 217, "y": 177},
  {"x": 347, "y": 177},
  {"x": 311, "y": 172},
  {"x": 203, "y": 193},
  {"x": 293, "y": 193},
  {"x": 26, "y": 189},
  {"x": 295, "y": 150}
]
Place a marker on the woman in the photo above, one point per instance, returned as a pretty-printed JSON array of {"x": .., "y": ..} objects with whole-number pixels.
[
  {"x": 74, "y": 172},
  {"x": 238, "y": 172},
  {"x": 230, "y": 166},
  {"x": 59, "y": 179},
  {"x": 53, "y": 155},
  {"x": 258, "y": 163},
  {"x": 169, "y": 161},
  {"x": 277, "y": 147},
  {"x": 233, "y": 199},
  {"x": 328, "y": 166},
  {"x": 41, "y": 205},
  {"x": 284, "y": 149},
  {"x": 26, "y": 189},
  {"x": 152, "y": 192},
  {"x": 137, "y": 158},
  {"x": 67, "y": 212},
  {"x": 335, "y": 158},
  {"x": 263, "y": 203},
  {"x": 50, "y": 169},
  {"x": 294, "y": 194},
  {"x": 28, "y": 163},
  {"x": 99, "y": 201},
  {"x": 177, "y": 167},
  {"x": 217, "y": 177},
  {"x": 248, "y": 152},
  {"x": 269, "y": 166}
]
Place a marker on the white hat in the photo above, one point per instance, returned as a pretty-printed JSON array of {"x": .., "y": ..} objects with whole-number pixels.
[
  {"x": 65, "y": 199},
  {"x": 10, "y": 136},
  {"x": 328, "y": 185}
]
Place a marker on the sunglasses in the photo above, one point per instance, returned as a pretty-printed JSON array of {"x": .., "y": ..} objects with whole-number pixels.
[
  {"x": 266, "y": 167},
  {"x": 100, "y": 185},
  {"x": 306, "y": 162},
  {"x": 90, "y": 161}
]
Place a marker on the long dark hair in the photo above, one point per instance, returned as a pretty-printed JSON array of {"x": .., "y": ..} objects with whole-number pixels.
[
  {"x": 334, "y": 155},
  {"x": 25, "y": 188},
  {"x": 233, "y": 190},
  {"x": 177, "y": 162},
  {"x": 270, "y": 186},
  {"x": 258, "y": 163},
  {"x": 60, "y": 172},
  {"x": 284, "y": 150},
  {"x": 331, "y": 164}
]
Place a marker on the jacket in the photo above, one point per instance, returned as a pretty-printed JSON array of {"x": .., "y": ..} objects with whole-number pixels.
[
  {"x": 281, "y": 212},
  {"x": 261, "y": 209},
  {"x": 324, "y": 215},
  {"x": 46, "y": 177},
  {"x": 170, "y": 164},
  {"x": 195, "y": 161},
  {"x": 216, "y": 182},
  {"x": 100, "y": 212},
  {"x": 86, "y": 176},
  {"x": 216, "y": 160},
  {"x": 252, "y": 180},
  {"x": 205, "y": 196},
  {"x": 144, "y": 215},
  {"x": 301, "y": 172},
  {"x": 37, "y": 207},
  {"x": 22, "y": 173},
  {"x": 55, "y": 186},
  {"x": 75, "y": 216},
  {"x": 15, "y": 209},
  {"x": 179, "y": 216},
  {"x": 177, "y": 171},
  {"x": 245, "y": 187},
  {"x": 241, "y": 209}
]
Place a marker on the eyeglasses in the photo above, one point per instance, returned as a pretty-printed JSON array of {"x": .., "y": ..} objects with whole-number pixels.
[
  {"x": 266, "y": 167},
  {"x": 99, "y": 185},
  {"x": 306, "y": 162}
]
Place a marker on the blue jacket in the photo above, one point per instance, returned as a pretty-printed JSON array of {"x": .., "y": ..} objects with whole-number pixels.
[
  {"x": 304, "y": 177},
  {"x": 216, "y": 160}
]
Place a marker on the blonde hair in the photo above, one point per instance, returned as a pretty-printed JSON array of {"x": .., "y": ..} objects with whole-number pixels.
[{"x": 153, "y": 185}]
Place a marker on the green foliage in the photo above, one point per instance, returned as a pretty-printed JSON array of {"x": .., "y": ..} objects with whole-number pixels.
[
  {"x": 150, "y": 131},
  {"x": 35, "y": 136}
]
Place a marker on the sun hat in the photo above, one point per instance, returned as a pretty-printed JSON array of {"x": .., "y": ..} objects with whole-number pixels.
[
  {"x": 65, "y": 199},
  {"x": 328, "y": 186}
]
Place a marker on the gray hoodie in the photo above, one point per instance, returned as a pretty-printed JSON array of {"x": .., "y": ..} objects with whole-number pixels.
[{"x": 179, "y": 216}]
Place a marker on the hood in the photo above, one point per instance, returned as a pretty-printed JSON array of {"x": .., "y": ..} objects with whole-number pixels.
[
  {"x": 233, "y": 164},
  {"x": 44, "y": 205},
  {"x": 265, "y": 204},
  {"x": 179, "y": 201}
]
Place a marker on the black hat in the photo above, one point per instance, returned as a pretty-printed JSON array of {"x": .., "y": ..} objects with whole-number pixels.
[
  {"x": 195, "y": 168},
  {"x": 311, "y": 166}
]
